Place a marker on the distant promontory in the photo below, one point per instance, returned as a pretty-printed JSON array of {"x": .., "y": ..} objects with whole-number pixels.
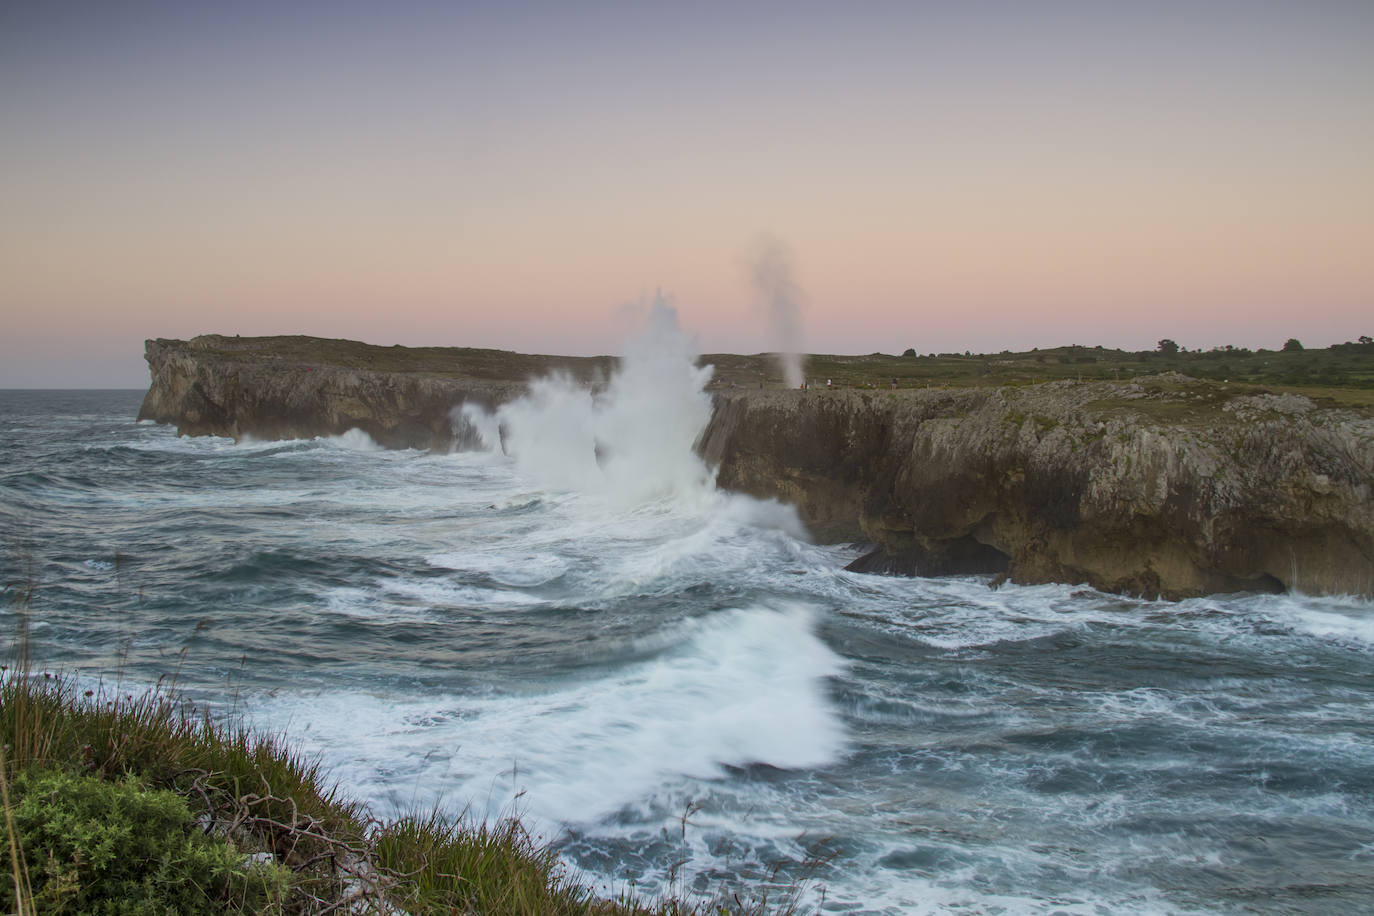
[{"x": 1155, "y": 483}]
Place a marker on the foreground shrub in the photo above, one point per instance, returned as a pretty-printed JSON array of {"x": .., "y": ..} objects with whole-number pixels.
[{"x": 92, "y": 846}]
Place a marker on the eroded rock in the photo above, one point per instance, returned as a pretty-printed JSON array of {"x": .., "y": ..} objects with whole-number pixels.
[
  {"x": 1164, "y": 487},
  {"x": 1160, "y": 486}
]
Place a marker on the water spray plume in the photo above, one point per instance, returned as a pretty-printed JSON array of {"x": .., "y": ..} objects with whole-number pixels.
[
  {"x": 770, "y": 271},
  {"x": 633, "y": 440}
]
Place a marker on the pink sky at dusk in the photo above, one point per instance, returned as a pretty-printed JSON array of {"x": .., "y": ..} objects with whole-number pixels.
[{"x": 997, "y": 176}]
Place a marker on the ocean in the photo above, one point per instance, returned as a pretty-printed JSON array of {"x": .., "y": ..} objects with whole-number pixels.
[{"x": 676, "y": 686}]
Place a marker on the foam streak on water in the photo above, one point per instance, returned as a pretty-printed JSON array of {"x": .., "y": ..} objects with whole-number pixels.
[{"x": 607, "y": 650}]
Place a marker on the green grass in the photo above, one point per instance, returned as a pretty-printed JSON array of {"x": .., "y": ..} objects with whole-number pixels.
[
  {"x": 1334, "y": 372},
  {"x": 1343, "y": 367},
  {"x": 446, "y": 362},
  {"x": 162, "y": 768}
]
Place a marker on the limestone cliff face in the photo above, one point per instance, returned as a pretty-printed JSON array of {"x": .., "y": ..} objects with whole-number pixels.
[
  {"x": 1164, "y": 487},
  {"x": 256, "y": 387}
]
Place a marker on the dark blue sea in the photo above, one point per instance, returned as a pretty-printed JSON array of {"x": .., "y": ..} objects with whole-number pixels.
[{"x": 676, "y": 686}]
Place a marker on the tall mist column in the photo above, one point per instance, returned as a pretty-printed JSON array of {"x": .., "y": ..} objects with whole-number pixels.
[{"x": 770, "y": 271}]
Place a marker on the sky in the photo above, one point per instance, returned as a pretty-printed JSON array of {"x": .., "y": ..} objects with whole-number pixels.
[{"x": 525, "y": 176}]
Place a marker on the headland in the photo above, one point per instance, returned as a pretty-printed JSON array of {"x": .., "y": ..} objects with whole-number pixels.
[{"x": 1071, "y": 465}]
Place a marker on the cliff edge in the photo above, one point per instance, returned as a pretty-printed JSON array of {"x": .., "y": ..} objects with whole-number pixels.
[
  {"x": 300, "y": 387},
  {"x": 1163, "y": 485},
  {"x": 1160, "y": 486}
]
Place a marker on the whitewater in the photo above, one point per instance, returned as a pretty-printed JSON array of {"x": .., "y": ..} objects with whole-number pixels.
[{"x": 674, "y": 685}]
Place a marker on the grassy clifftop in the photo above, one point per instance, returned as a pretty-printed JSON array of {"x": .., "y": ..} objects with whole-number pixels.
[
  {"x": 1343, "y": 373},
  {"x": 459, "y": 363}
]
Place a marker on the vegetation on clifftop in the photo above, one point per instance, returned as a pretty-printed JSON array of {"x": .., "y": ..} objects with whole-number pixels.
[{"x": 1344, "y": 372}]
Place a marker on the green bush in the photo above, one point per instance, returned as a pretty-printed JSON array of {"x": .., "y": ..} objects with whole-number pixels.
[{"x": 99, "y": 847}]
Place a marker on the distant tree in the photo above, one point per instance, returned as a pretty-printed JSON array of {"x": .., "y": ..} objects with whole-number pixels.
[
  {"x": 910, "y": 351},
  {"x": 1366, "y": 339},
  {"x": 1168, "y": 347},
  {"x": 1292, "y": 344}
]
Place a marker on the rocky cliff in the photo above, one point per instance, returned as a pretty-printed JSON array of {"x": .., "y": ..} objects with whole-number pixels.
[
  {"x": 300, "y": 387},
  {"x": 1160, "y": 486},
  {"x": 1163, "y": 486}
]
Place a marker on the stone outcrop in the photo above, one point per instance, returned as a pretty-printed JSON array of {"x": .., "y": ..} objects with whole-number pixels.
[
  {"x": 1165, "y": 486},
  {"x": 301, "y": 387},
  {"x": 1160, "y": 486}
]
